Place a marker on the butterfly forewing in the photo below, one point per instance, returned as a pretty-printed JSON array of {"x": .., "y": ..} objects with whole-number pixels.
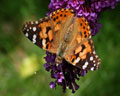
[{"x": 39, "y": 32}]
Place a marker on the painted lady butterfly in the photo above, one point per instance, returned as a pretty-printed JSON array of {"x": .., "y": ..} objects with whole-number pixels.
[{"x": 65, "y": 35}]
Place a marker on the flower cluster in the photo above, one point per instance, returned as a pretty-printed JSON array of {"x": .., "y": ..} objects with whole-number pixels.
[{"x": 65, "y": 74}]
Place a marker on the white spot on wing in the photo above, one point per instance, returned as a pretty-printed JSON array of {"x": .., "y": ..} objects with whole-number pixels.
[
  {"x": 93, "y": 52},
  {"x": 89, "y": 36},
  {"x": 91, "y": 58},
  {"x": 34, "y": 29},
  {"x": 98, "y": 63},
  {"x": 34, "y": 41},
  {"x": 77, "y": 60},
  {"x": 26, "y": 34},
  {"x": 92, "y": 69},
  {"x": 96, "y": 56},
  {"x": 85, "y": 65},
  {"x": 44, "y": 42},
  {"x": 36, "y": 22},
  {"x": 34, "y": 38}
]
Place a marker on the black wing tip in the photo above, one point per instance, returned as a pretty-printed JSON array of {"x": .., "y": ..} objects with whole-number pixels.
[{"x": 30, "y": 25}]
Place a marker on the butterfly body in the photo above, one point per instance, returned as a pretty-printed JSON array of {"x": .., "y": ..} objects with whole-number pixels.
[{"x": 64, "y": 34}]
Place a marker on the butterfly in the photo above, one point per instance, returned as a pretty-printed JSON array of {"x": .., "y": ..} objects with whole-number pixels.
[{"x": 66, "y": 35}]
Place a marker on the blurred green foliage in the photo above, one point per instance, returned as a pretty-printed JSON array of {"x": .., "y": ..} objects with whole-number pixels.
[{"x": 21, "y": 62}]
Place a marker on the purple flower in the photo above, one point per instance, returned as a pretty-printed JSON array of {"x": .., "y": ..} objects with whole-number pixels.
[
  {"x": 52, "y": 85},
  {"x": 59, "y": 76},
  {"x": 65, "y": 74}
]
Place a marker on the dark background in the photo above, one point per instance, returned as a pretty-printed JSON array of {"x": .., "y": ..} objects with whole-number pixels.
[{"x": 20, "y": 59}]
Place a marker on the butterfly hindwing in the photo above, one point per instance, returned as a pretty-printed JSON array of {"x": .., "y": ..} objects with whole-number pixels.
[{"x": 84, "y": 56}]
